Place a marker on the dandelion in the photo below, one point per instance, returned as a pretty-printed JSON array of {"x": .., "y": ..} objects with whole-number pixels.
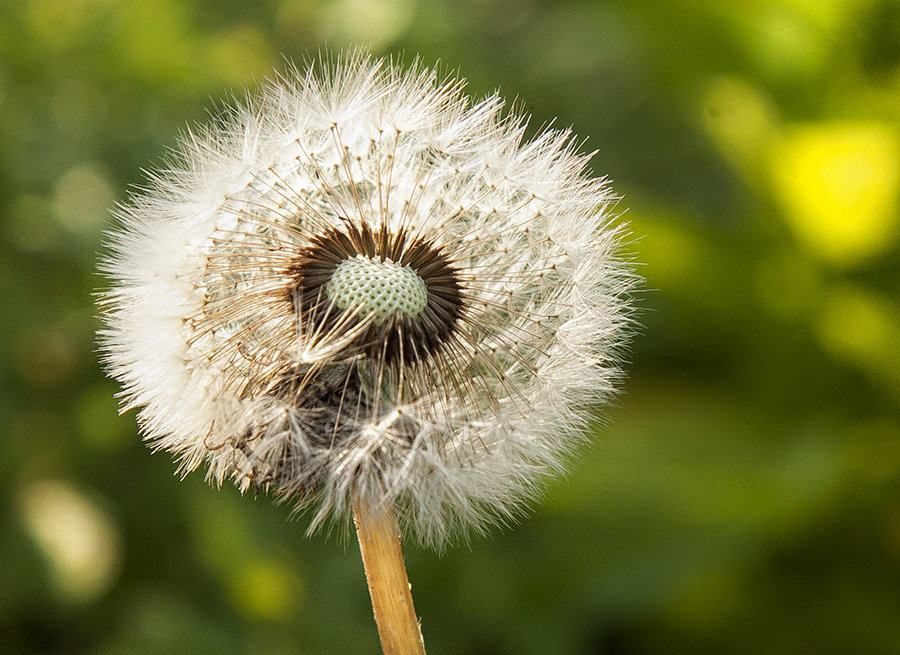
[{"x": 365, "y": 292}]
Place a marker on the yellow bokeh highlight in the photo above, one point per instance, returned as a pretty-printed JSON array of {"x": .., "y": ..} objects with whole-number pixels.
[
  {"x": 266, "y": 589},
  {"x": 79, "y": 539},
  {"x": 241, "y": 53},
  {"x": 740, "y": 120},
  {"x": 376, "y": 24},
  {"x": 82, "y": 198},
  {"x": 863, "y": 328},
  {"x": 839, "y": 185}
]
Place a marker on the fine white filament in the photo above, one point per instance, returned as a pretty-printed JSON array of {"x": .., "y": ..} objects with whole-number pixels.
[{"x": 449, "y": 409}]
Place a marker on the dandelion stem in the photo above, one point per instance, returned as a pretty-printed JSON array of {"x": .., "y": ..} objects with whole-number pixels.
[{"x": 392, "y": 604}]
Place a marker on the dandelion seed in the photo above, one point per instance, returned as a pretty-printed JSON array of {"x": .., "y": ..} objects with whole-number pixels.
[
  {"x": 362, "y": 289},
  {"x": 362, "y": 284}
]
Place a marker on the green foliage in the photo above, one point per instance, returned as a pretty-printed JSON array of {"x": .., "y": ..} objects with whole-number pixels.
[{"x": 744, "y": 499}]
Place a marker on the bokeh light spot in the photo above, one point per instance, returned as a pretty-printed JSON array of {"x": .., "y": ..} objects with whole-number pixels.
[
  {"x": 239, "y": 54},
  {"x": 266, "y": 589},
  {"x": 863, "y": 328},
  {"x": 740, "y": 121},
  {"x": 79, "y": 539},
  {"x": 83, "y": 198},
  {"x": 787, "y": 42},
  {"x": 839, "y": 186},
  {"x": 374, "y": 23}
]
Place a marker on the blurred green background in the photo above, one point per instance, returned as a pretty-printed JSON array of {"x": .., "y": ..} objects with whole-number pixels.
[{"x": 745, "y": 497}]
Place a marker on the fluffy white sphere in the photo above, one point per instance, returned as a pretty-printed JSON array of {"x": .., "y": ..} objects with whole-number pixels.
[{"x": 230, "y": 329}]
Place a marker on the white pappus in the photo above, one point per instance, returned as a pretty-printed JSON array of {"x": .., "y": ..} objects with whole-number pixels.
[{"x": 361, "y": 283}]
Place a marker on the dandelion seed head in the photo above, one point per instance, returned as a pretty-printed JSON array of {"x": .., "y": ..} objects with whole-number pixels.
[{"x": 361, "y": 283}]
